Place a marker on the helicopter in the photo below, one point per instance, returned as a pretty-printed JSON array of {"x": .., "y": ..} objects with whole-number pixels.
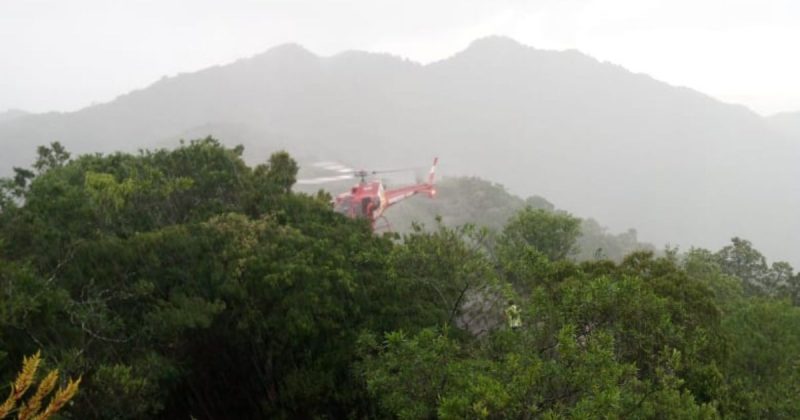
[{"x": 369, "y": 199}]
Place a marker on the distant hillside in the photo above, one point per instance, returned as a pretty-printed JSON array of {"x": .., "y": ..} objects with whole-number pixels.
[
  {"x": 595, "y": 138},
  {"x": 11, "y": 114},
  {"x": 464, "y": 200},
  {"x": 787, "y": 123}
]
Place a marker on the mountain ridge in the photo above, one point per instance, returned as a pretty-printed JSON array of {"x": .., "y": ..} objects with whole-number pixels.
[
  {"x": 12, "y": 114},
  {"x": 786, "y": 123},
  {"x": 593, "y": 137}
]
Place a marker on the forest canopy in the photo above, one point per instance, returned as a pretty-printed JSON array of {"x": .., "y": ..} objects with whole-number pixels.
[{"x": 184, "y": 283}]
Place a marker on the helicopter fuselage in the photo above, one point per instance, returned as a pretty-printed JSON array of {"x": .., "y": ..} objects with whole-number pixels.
[{"x": 370, "y": 199}]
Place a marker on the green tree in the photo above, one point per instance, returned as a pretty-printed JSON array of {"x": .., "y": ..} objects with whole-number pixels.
[
  {"x": 551, "y": 233},
  {"x": 763, "y": 372},
  {"x": 185, "y": 282},
  {"x": 740, "y": 259},
  {"x": 444, "y": 277},
  {"x": 702, "y": 266},
  {"x": 792, "y": 289},
  {"x": 281, "y": 171},
  {"x": 51, "y": 157}
]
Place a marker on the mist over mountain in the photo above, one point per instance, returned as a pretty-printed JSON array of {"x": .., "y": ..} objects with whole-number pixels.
[
  {"x": 786, "y": 123},
  {"x": 592, "y": 137},
  {"x": 12, "y": 114}
]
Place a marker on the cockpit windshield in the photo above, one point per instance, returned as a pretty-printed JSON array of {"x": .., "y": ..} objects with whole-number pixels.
[
  {"x": 344, "y": 206},
  {"x": 360, "y": 208}
]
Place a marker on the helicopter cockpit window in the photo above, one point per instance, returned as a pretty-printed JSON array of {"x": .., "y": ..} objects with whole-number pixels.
[
  {"x": 344, "y": 206},
  {"x": 364, "y": 207}
]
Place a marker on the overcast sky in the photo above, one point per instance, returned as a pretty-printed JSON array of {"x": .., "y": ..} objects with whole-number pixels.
[{"x": 64, "y": 55}]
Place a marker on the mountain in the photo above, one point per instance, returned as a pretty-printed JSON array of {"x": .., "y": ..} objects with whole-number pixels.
[
  {"x": 786, "y": 123},
  {"x": 594, "y": 138},
  {"x": 12, "y": 114}
]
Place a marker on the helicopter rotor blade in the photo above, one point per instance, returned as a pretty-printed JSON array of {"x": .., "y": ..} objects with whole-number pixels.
[
  {"x": 323, "y": 180},
  {"x": 347, "y": 172},
  {"x": 334, "y": 167},
  {"x": 387, "y": 171}
]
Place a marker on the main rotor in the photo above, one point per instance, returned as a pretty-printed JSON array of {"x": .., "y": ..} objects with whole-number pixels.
[
  {"x": 346, "y": 173},
  {"x": 362, "y": 174}
]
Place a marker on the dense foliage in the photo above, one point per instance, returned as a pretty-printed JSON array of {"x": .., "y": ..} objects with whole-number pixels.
[{"x": 184, "y": 283}]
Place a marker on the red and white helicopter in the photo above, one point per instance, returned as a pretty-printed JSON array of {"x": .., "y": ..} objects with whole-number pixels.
[{"x": 370, "y": 199}]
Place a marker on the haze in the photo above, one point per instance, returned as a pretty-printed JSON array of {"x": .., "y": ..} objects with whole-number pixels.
[
  {"x": 408, "y": 209},
  {"x": 579, "y": 102},
  {"x": 64, "y": 56}
]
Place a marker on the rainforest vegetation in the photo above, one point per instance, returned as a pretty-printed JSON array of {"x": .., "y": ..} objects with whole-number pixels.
[{"x": 184, "y": 283}]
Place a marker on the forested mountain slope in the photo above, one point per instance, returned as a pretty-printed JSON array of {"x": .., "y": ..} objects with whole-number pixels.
[
  {"x": 460, "y": 201},
  {"x": 601, "y": 141}
]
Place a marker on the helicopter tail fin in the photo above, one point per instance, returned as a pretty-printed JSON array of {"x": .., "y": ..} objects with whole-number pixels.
[
  {"x": 432, "y": 178},
  {"x": 432, "y": 173}
]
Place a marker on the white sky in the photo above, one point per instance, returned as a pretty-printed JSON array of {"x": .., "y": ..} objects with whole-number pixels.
[{"x": 64, "y": 55}]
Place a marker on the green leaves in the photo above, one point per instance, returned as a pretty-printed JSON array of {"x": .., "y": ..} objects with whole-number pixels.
[
  {"x": 598, "y": 340},
  {"x": 282, "y": 171},
  {"x": 445, "y": 277},
  {"x": 411, "y": 373},
  {"x": 763, "y": 366},
  {"x": 51, "y": 157},
  {"x": 742, "y": 260},
  {"x": 551, "y": 233}
]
